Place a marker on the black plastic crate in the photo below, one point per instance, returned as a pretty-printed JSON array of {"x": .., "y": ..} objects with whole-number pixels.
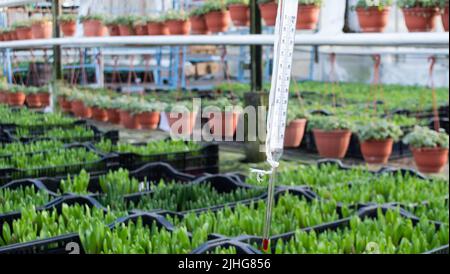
[{"x": 211, "y": 246}]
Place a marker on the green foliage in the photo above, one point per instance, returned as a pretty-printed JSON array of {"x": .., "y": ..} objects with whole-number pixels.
[
  {"x": 418, "y": 3},
  {"x": 176, "y": 15},
  {"x": 423, "y": 137},
  {"x": 379, "y": 130},
  {"x": 242, "y": 2},
  {"x": 89, "y": 17},
  {"x": 310, "y": 2},
  {"x": 12, "y": 200},
  {"x": 329, "y": 123},
  {"x": 21, "y": 148},
  {"x": 155, "y": 147},
  {"x": 214, "y": 5},
  {"x": 78, "y": 184},
  {"x": 68, "y": 18},
  {"x": 73, "y": 134},
  {"x": 381, "y": 4}
]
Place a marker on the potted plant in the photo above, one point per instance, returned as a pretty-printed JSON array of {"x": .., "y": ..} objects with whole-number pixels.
[
  {"x": 63, "y": 94},
  {"x": 3, "y": 93},
  {"x": 239, "y": 12},
  {"x": 373, "y": 15},
  {"x": 23, "y": 30},
  {"x": 16, "y": 96},
  {"x": 32, "y": 97},
  {"x": 125, "y": 25},
  {"x": 93, "y": 25},
  {"x": 420, "y": 15},
  {"x": 42, "y": 27},
  {"x": 198, "y": 21},
  {"x": 308, "y": 14},
  {"x": 140, "y": 26},
  {"x": 44, "y": 96},
  {"x": 78, "y": 108},
  {"x": 68, "y": 24},
  {"x": 177, "y": 22},
  {"x": 99, "y": 105},
  {"x": 155, "y": 26},
  {"x": 181, "y": 118},
  {"x": 444, "y": 15},
  {"x": 113, "y": 111},
  {"x": 429, "y": 147},
  {"x": 112, "y": 27},
  {"x": 332, "y": 135},
  {"x": 223, "y": 123},
  {"x": 269, "y": 9},
  {"x": 295, "y": 130},
  {"x": 377, "y": 139},
  {"x": 147, "y": 114},
  {"x": 217, "y": 16}
]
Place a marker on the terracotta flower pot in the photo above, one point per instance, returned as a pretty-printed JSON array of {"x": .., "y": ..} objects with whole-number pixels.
[
  {"x": 372, "y": 19},
  {"x": 226, "y": 121},
  {"x": 66, "y": 105},
  {"x": 16, "y": 99},
  {"x": 113, "y": 116},
  {"x": 42, "y": 30},
  {"x": 240, "y": 14},
  {"x": 24, "y": 33},
  {"x": 13, "y": 36},
  {"x": 377, "y": 152},
  {"x": 3, "y": 97},
  {"x": 113, "y": 30},
  {"x": 149, "y": 120},
  {"x": 44, "y": 97},
  {"x": 430, "y": 160},
  {"x": 140, "y": 30},
  {"x": 308, "y": 17},
  {"x": 94, "y": 28},
  {"x": 218, "y": 21},
  {"x": 157, "y": 29},
  {"x": 421, "y": 19},
  {"x": 198, "y": 25},
  {"x": 69, "y": 28},
  {"x": 178, "y": 27},
  {"x": 99, "y": 114},
  {"x": 269, "y": 13},
  {"x": 33, "y": 101},
  {"x": 126, "y": 30},
  {"x": 294, "y": 133},
  {"x": 129, "y": 120},
  {"x": 445, "y": 19},
  {"x": 80, "y": 110},
  {"x": 185, "y": 122},
  {"x": 332, "y": 144}
]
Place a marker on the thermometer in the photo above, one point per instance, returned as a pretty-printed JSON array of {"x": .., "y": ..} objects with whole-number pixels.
[{"x": 279, "y": 96}]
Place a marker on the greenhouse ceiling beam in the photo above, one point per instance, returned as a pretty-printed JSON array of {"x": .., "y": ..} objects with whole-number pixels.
[
  {"x": 15, "y": 3},
  {"x": 359, "y": 39}
]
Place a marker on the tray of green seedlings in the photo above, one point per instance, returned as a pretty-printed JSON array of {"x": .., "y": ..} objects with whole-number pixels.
[
  {"x": 9, "y": 149},
  {"x": 225, "y": 247},
  {"x": 51, "y": 229},
  {"x": 190, "y": 157},
  {"x": 68, "y": 160},
  {"x": 435, "y": 209},
  {"x": 376, "y": 230},
  {"x": 79, "y": 133}
]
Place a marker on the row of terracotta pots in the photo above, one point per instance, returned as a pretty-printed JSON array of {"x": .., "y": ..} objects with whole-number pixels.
[
  {"x": 417, "y": 19},
  {"x": 18, "y": 99},
  {"x": 307, "y": 15},
  {"x": 335, "y": 144},
  {"x": 38, "y": 30}
]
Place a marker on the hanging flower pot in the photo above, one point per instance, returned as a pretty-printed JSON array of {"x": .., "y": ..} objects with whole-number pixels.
[
  {"x": 223, "y": 124},
  {"x": 218, "y": 21},
  {"x": 307, "y": 17},
  {"x": 99, "y": 114},
  {"x": 373, "y": 19},
  {"x": 24, "y": 33},
  {"x": 240, "y": 14},
  {"x": 113, "y": 116},
  {"x": 148, "y": 119},
  {"x": 68, "y": 24},
  {"x": 185, "y": 122},
  {"x": 16, "y": 97},
  {"x": 93, "y": 26},
  {"x": 64, "y": 104},
  {"x": 178, "y": 27},
  {"x": 42, "y": 28},
  {"x": 198, "y": 25},
  {"x": 294, "y": 133},
  {"x": 445, "y": 18},
  {"x": 129, "y": 120},
  {"x": 420, "y": 19},
  {"x": 269, "y": 12}
]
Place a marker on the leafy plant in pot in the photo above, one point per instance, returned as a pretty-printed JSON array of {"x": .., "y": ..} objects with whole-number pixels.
[
  {"x": 239, "y": 12},
  {"x": 127, "y": 118},
  {"x": 178, "y": 22},
  {"x": 79, "y": 109},
  {"x": 181, "y": 117},
  {"x": 16, "y": 96},
  {"x": 269, "y": 9},
  {"x": 99, "y": 105},
  {"x": 295, "y": 130},
  {"x": 420, "y": 15},
  {"x": 125, "y": 25},
  {"x": 373, "y": 15},
  {"x": 68, "y": 24},
  {"x": 112, "y": 27},
  {"x": 156, "y": 26},
  {"x": 198, "y": 21},
  {"x": 33, "y": 99},
  {"x": 42, "y": 27},
  {"x": 93, "y": 25},
  {"x": 377, "y": 139},
  {"x": 140, "y": 26},
  {"x": 3, "y": 93},
  {"x": 308, "y": 14},
  {"x": 222, "y": 122},
  {"x": 113, "y": 111},
  {"x": 332, "y": 135},
  {"x": 147, "y": 114},
  {"x": 23, "y": 30},
  {"x": 444, "y": 13},
  {"x": 429, "y": 147},
  {"x": 63, "y": 94},
  {"x": 217, "y": 16}
]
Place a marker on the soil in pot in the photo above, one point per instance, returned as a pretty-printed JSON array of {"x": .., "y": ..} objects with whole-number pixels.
[
  {"x": 94, "y": 28},
  {"x": 126, "y": 30},
  {"x": 223, "y": 124},
  {"x": 24, "y": 33},
  {"x": 128, "y": 120},
  {"x": 307, "y": 17},
  {"x": 372, "y": 19},
  {"x": 113, "y": 30},
  {"x": 184, "y": 122},
  {"x": 445, "y": 19},
  {"x": 421, "y": 19},
  {"x": 269, "y": 13},
  {"x": 99, "y": 114},
  {"x": 430, "y": 160},
  {"x": 377, "y": 152},
  {"x": 148, "y": 120},
  {"x": 16, "y": 99},
  {"x": 69, "y": 28},
  {"x": 240, "y": 14},
  {"x": 113, "y": 116},
  {"x": 66, "y": 105},
  {"x": 178, "y": 27},
  {"x": 332, "y": 144},
  {"x": 218, "y": 21},
  {"x": 294, "y": 133},
  {"x": 33, "y": 101},
  {"x": 198, "y": 25},
  {"x": 42, "y": 30}
]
